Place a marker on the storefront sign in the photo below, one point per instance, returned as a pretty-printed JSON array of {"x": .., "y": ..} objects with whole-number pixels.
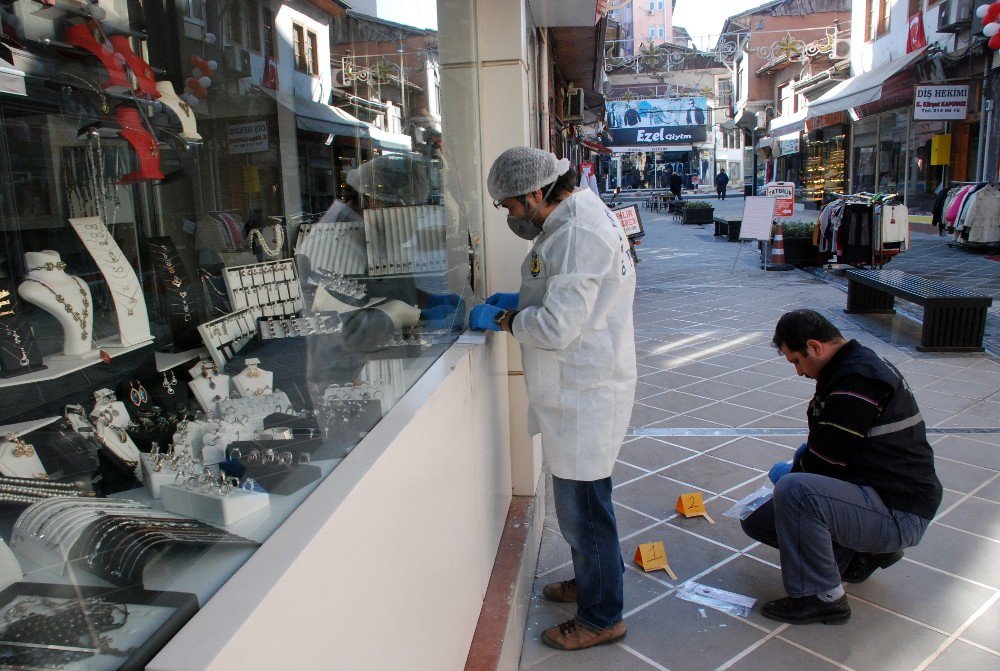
[
  {"x": 631, "y": 149},
  {"x": 941, "y": 102},
  {"x": 247, "y": 138},
  {"x": 788, "y": 144},
  {"x": 784, "y": 198},
  {"x": 657, "y": 121}
]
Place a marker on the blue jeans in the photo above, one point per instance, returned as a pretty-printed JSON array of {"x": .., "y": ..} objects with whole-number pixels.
[
  {"x": 818, "y": 523},
  {"x": 587, "y": 522}
]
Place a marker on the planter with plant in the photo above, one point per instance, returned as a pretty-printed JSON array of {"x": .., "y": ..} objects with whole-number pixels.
[
  {"x": 697, "y": 212},
  {"x": 798, "y": 242}
]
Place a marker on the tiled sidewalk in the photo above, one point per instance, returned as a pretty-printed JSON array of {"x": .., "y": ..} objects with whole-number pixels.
[{"x": 716, "y": 406}]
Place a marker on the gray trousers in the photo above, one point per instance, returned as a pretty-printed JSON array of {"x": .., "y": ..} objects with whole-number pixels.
[{"x": 818, "y": 523}]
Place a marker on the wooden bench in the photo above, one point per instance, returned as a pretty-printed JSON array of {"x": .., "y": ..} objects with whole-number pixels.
[{"x": 954, "y": 319}]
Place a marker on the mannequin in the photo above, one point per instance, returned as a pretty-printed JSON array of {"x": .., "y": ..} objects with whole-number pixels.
[
  {"x": 65, "y": 297},
  {"x": 181, "y": 109},
  {"x": 254, "y": 381}
]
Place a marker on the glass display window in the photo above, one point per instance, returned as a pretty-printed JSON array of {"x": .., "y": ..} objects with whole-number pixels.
[{"x": 217, "y": 275}]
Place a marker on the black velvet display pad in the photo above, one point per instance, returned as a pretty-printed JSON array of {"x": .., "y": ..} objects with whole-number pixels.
[{"x": 17, "y": 341}]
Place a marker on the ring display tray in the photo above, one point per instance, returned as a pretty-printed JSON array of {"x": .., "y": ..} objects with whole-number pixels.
[
  {"x": 269, "y": 289},
  {"x": 226, "y": 336}
]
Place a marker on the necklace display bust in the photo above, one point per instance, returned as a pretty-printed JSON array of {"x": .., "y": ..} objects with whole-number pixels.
[{"x": 65, "y": 297}]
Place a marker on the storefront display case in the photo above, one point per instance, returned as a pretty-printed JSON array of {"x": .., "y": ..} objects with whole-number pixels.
[{"x": 206, "y": 303}]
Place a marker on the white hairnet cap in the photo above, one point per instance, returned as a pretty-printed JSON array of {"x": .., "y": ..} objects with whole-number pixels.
[
  {"x": 391, "y": 178},
  {"x": 521, "y": 170}
]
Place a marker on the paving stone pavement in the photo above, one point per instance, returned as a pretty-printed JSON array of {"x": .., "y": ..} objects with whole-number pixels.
[{"x": 715, "y": 407}]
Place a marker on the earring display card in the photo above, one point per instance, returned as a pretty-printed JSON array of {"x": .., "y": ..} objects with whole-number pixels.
[
  {"x": 269, "y": 289},
  {"x": 405, "y": 240},
  {"x": 226, "y": 336},
  {"x": 124, "y": 285},
  {"x": 179, "y": 302},
  {"x": 62, "y": 626},
  {"x": 335, "y": 247}
]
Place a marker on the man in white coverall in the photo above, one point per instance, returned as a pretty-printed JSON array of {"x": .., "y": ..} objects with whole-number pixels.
[{"x": 573, "y": 320}]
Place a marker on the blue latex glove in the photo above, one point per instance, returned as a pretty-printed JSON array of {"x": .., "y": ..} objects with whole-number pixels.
[
  {"x": 777, "y": 471},
  {"x": 483, "y": 318},
  {"x": 504, "y": 301},
  {"x": 799, "y": 452},
  {"x": 435, "y": 300}
]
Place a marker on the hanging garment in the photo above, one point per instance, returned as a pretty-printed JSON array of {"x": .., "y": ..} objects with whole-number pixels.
[
  {"x": 895, "y": 224},
  {"x": 937, "y": 211},
  {"x": 956, "y": 205},
  {"x": 854, "y": 238},
  {"x": 983, "y": 217},
  {"x": 969, "y": 198}
]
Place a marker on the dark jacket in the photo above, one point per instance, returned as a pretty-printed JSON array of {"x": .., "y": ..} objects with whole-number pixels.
[
  {"x": 722, "y": 179},
  {"x": 865, "y": 427},
  {"x": 676, "y": 183}
]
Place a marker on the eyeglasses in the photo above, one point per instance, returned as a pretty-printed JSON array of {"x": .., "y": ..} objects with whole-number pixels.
[{"x": 497, "y": 204}]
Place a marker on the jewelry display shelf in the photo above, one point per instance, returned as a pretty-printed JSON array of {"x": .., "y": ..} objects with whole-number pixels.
[
  {"x": 59, "y": 365},
  {"x": 216, "y": 564}
]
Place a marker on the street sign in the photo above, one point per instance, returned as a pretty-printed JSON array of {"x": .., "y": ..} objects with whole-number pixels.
[
  {"x": 784, "y": 198},
  {"x": 628, "y": 218}
]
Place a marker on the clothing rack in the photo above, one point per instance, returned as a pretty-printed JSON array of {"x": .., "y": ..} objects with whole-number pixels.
[{"x": 862, "y": 231}]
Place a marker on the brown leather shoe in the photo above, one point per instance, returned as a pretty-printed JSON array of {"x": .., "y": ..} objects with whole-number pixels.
[
  {"x": 563, "y": 592},
  {"x": 571, "y": 635}
]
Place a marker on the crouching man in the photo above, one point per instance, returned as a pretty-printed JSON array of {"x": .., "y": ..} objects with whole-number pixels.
[{"x": 863, "y": 487}]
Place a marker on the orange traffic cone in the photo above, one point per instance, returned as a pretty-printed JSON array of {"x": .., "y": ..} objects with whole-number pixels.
[{"x": 778, "y": 252}]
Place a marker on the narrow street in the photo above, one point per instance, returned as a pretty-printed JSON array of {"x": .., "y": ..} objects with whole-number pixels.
[{"x": 716, "y": 407}]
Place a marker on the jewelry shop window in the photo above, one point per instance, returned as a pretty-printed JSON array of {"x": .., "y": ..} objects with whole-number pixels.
[{"x": 217, "y": 274}]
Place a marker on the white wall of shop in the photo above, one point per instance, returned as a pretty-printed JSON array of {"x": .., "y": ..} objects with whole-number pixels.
[
  {"x": 507, "y": 73},
  {"x": 386, "y": 563}
]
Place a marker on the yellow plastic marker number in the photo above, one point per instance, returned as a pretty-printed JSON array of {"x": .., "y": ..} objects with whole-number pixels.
[
  {"x": 653, "y": 557},
  {"x": 692, "y": 505}
]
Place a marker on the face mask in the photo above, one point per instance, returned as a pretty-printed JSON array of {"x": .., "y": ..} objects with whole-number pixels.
[{"x": 523, "y": 228}]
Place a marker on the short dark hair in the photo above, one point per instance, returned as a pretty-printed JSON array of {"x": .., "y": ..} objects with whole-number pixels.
[
  {"x": 798, "y": 326},
  {"x": 565, "y": 183}
]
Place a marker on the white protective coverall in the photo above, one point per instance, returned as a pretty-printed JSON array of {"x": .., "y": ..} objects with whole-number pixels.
[{"x": 574, "y": 326}]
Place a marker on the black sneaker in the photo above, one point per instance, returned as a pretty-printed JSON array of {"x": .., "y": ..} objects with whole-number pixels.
[
  {"x": 863, "y": 564},
  {"x": 807, "y": 609}
]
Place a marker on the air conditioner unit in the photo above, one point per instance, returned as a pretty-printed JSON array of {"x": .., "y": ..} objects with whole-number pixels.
[
  {"x": 573, "y": 105},
  {"x": 237, "y": 61},
  {"x": 954, "y": 15},
  {"x": 841, "y": 49}
]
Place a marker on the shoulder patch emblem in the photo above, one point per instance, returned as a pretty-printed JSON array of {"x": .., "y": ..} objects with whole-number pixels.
[{"x": 536, "y": 264}]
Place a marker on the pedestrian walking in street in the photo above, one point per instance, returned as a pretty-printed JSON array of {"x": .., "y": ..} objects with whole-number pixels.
[
  {"x": 675, "y": 181},
  {"x": 573, "y": 320},
  {"x": 721, "y": 184},
  {"x": 860, "y": 490}
]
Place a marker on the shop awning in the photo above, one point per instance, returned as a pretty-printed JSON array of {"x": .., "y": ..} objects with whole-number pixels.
[
  {"x": 319, "y": 118},
  {"x": 392, "y": 141},
  {"x": 861, "y": 89},
  {"x": 594, "y": 146},
  {"x": 11, "y": 79},
  {"x": 788, "y": 123}
]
